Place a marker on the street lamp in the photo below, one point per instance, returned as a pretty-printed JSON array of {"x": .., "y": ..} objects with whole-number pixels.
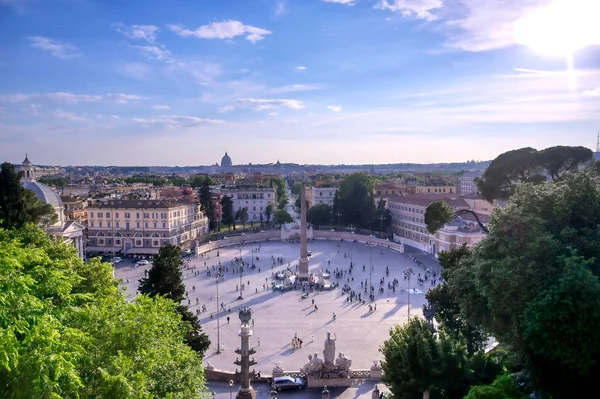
[
  {"x": 409, "y": 273},
  {"x": 370, "y": 272},
  {"x": 381, "y": 218},
  {"x": 241, "y": 271},
  {"x": 218, "y": 314},
  {"x": 230, "y": 387},
  {"x": 338, "y": 215}
]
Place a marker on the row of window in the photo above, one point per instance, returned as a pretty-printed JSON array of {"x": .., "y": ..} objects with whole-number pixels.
[
  {"x": 252, "y": 196},
  {"x": 146, "y": 215},
  {"x": 128, "y": 225},
  {"x": 407, "y": 208}
]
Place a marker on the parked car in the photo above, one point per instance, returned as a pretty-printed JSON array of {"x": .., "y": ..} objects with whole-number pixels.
[
  {"x": 142, "y": 262},
  {"x": 116, "y": 259},
  {"x": 287, "y": 382}
]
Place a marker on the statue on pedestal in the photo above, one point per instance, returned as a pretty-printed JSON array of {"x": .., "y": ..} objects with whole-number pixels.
[
  {"x": 329, "y": 349},
  {"x": 342, "y": 365},
  {"x": 278, "y": 369}
]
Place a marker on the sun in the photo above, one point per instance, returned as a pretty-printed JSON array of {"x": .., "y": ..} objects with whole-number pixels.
[{"x": 562, "y": 28}]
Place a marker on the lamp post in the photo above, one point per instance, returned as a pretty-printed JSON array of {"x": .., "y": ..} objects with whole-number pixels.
[
  {"x": 338, "y": 215},
  {"x": 409, "y": 273},
  {"x": 241, "y": 271},
  {"x": 370, "y": 271},
  {"x": 381, "y": 218},
  {"x": 230, "y": 388},
  {"x": 218, "y": 314}
]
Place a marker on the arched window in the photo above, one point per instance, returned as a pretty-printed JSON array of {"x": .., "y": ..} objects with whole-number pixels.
[{"x": 155, "y": 240}]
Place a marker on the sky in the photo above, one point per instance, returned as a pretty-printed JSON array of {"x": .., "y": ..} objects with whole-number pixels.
[{"x": 179, "y": 82}]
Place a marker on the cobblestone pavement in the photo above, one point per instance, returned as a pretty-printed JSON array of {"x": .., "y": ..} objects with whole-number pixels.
[{"x": 278, "y": 316}]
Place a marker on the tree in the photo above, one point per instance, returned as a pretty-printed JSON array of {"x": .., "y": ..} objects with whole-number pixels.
[
  {"x": 54, "y": 181},
  {"x": 269, "y": 212},
  {"x": 533, "y": 282},
  {"x": 68, "y": 331},
  {"x": 356, "y": 199},
  {"x": 297, "y": 187},
  {"x": 165, "y": 279},
  {"x": 383, "y": 217},
  {"x": 281, "y": 217},
  {"x": 242, "y": 216},
  {"x": 18, "y": 205},
  {"x": 503, "y": 387},
  {"x": 560, "y": 159},
  {"x": 319, "y": 215},
  {"x": 228, "y": 217},
  {"x": 206, "y": 202},
  {"x": 280, "y": 187},
  {"x": 506, "y": 170},
  {"x": 438, "y": 213}
]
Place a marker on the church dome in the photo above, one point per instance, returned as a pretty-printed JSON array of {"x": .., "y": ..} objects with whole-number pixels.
[
  {"x": 226, "y": 161},
  {"x": 46, "y": 195},
  {"x": 26, "y": 161}
]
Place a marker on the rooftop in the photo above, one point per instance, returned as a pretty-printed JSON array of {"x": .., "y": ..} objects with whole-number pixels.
[
  {"x": 424, "y": 201},
  {"x": 138, "y": 204}
]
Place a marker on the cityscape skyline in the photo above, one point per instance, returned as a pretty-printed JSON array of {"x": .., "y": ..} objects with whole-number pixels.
[{"x": 322, "y": 82}]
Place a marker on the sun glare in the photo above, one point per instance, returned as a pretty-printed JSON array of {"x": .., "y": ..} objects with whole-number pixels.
[{"x": 561, "y": 28}]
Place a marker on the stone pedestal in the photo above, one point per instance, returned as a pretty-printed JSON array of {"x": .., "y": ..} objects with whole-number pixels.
[{"x": 245, "y": 391}]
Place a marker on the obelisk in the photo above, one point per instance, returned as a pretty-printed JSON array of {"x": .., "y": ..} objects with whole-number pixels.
[{"x": 303, "y": 266}]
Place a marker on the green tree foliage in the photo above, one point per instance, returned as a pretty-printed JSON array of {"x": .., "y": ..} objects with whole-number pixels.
[
  {"x": 356, "y": 200},
  {"x": 227, "y": 217},
  {"x": 282, "y": 216},
  {"x": 200, "y": 180},
  {"x": 280, "y": 187},
  {"x": 147, "y": 179},
  {"x": 416, "y": 361},
  {"x": 503, "y": 387},
  {"x": 269, "y": 212},
  {"x": 18, "y": 205},
  {"x": 319, "y": 215},
  {"x": 383, "y": 217},
  {"x": 438, "y": 213},
  {"x": 527, "y": 165},
  {"x": 165, "y": 279},
  {"x": 54, "y": 181},
  {"x": 67, "y": 331},
  {"x": 533, "y": 283},
  {"x": 242, "y": 216},
  {"x": 298, "y": 186},
  {"x": 206, "y": 204},
  {"x": 560, "y": 159}
]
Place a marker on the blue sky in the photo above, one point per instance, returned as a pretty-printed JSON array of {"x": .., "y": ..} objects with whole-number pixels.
[{"x": 308, "y": 81}]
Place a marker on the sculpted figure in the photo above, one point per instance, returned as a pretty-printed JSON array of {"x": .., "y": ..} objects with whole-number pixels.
[
  {"x": 329, "y": 349},
  {"x": 343, "y": 362}
]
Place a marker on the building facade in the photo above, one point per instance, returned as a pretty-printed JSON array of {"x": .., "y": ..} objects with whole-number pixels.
[
  {"x": 143, "y": 226},
  {"x": 467, "y": 183},
  {"x": 75, "y": 208},
  {"x": 408, "y": 225},
  {"x": 321, "y": 195},
  {"x": 255, "y": 200},
  {"x": 32, "y": 172}
]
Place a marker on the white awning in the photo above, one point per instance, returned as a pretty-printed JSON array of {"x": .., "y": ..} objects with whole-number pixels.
[{"x": 143, "y": 251}]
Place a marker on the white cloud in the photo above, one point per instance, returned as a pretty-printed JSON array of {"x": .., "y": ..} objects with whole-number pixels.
[
  {"x": 136, "y": 70},
  {"x": 57, "y": 49},
  {"x": 486, "y": 25},
  {"x": 226, "y": 108},
  {"x": 301, "y": 68},
  {"x": 293, "y": 88},
  {"x": 175, "y": 121},
  {"x": 222, "y": 30},
  {"x": 138, "y": 32},
  {"x": 262, "y": 103},
  {"x": 161, "y": 107},
  {"x": 70, "y": 116},
  {"x": 335, "y": 108},
  {"x": 69, "y": 98},
  {"x": 593, "y": 92},
  {"x": 280, "y": 8},
  {"x": 154, "y": 52},
  {"x": 345, "y": 2},
  {"x": 420, "y": 9}
]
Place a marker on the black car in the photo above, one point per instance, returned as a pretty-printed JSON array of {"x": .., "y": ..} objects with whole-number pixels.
[{"x": 287, "y": 382}]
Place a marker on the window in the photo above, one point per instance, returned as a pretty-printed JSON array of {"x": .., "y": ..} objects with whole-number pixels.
[
  {"x": 127, "y": 215},
  {"x": 116, "y": 215},
  {"x": 99, "y": 214},
  {"x": 253, "y": 208},
  {"x": 146, "y": 215},
  {"x": 138, "y": 243},
  {"x": 164, "y": 225},
  {"x": 138, "y": 225},
  {"x": 155, "y": 225},
  {"x": 117, "y": 225},
  {"x": 91, "y": 214},
  {"x": 92, "y": 223},
  {"x": 117, "y": 241},
  {"x": 100, "y": 224},
  {"x": 163, "y": 215},
  {"x": 146, "y": 225},
  {"x": 137, "y": 215},
  {"x": 108, "y": 215},
  {"x": 320, "y": 194},
  {"x": 101, "y": 241},
  {"x": 155, "y": 243},
  {"x": 108, "y": 224}
]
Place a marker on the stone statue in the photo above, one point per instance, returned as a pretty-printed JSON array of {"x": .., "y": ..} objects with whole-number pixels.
[
  {"x": 329, "y": 350},
  {"x": 375, "y": 394},
  {"x": 314, "y": 366},
  {"x": 278, "y": 368},
  {"x": 209, "y": 366},
  {"x": 376, "y": 365},
  {"x": 343, "y": 362}
]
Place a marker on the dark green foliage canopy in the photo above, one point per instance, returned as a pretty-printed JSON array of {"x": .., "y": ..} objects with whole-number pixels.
[
  {"x": 437, "y": 215},
  {"x": 319, "y": 215},
  {"x": 228, "y": 217},
  {"x": 282, "y": 216},
  {"x": 18, "y": 205},
  {"x": 356, "y": 202},
  {"x": 533, "y": 282},
  {"x": 165, "y": 279}
]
